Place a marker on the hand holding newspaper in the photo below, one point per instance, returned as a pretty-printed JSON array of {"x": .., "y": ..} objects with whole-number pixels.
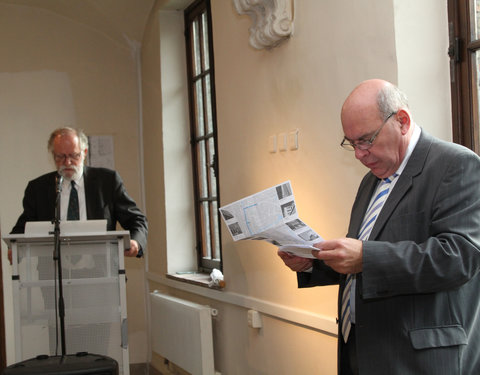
[{"x": 271, "y": 215}]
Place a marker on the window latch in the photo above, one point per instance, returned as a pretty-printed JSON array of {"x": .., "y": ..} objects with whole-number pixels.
[{"x": 454, "y": 50}]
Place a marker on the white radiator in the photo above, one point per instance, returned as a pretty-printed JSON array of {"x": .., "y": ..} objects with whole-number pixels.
[{"x": 182, "y": 333}]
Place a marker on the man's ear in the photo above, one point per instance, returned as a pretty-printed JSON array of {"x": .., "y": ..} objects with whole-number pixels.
[
  {"x": 85, "y": 155},
  {"x": 403, "y": 117}
]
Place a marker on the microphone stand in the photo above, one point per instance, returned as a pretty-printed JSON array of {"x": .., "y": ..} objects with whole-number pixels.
[{"x": 57, "y": 257}]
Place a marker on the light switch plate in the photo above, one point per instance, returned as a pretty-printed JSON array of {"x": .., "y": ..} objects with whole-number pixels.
[
  {"x": 282, "y": 142},
  {"x": 293, "y": 140},
  {"x": 272, "y": 144}
]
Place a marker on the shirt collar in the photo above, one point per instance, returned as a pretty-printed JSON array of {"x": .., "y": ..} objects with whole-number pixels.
[
  {"x": 411, "y": 145},
  {"x": 78, "y": 181}
]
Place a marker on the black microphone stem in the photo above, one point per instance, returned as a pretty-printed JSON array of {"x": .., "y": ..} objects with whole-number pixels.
[
  {"x": 57, "y": 257},
  {"x": 56, "y": 226}
]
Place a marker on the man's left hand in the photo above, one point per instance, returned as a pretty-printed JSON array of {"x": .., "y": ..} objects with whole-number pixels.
[
  {"x": 133, "y": 251},
  {"x": 295, "y": 263},
  {"x": 343, "y": 255}
]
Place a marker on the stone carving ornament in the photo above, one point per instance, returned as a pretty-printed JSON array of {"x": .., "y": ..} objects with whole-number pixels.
[{"x": 272, "y": 21}]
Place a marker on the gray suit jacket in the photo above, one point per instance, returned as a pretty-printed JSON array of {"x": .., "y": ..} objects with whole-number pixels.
[
  {"x": 418, "y": 297},
  {"x": 105, "y": 196}
]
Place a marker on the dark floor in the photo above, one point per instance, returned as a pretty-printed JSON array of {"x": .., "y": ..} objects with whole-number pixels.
[{"x": 141, "y": 369}]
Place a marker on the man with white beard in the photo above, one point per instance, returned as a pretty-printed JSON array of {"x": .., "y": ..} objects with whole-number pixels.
[
  {"x": 101, "y": 192},
  {"x": 98, "y": 193}
]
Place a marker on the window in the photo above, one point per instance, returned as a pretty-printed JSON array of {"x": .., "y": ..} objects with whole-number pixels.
[
  {"x": 464, "y": 51},
  {"x": 203, "y": 130}
]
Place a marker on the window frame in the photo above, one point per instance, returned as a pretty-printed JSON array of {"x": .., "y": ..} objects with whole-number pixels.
[
  {"x": 210, "y": 231},
  {"x": 462, "y": 49}
]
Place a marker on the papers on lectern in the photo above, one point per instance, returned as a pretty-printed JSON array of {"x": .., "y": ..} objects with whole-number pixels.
[
  {"x": 271, "y": 215},
  {"x": 67, "y": 228}
]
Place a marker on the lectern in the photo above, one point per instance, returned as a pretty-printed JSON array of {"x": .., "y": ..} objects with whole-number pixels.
[{"x": 93, "y": 291}]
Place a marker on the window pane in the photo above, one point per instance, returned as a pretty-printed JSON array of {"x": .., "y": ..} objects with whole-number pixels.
[
  {"x": 216, "y": 249},
  {"x": 205, "y": 41},
  {"x": 207, "y": 249},
  {"x": 476, "y": 90},
  {"x": 196, "y": 48},
  {"x": 199, "y": 109},
  {"x": 202, "y": 169},
  {"x": 208, "y": 99},
  {"x": 474, "y": 19},
  {"x": 203, "y": 225},
  {"x": 211, "y": 158}
]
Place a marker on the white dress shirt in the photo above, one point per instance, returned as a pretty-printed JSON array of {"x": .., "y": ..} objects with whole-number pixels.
[{"x": 65, "y": 196}]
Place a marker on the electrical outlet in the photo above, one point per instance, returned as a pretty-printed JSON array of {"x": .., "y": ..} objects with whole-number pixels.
[
  {"x": 254, "y": 319},
  {"x": 282, "y": 142},
  {"x": 293, "y": 140},
  {"x": 272, "y": 144}
]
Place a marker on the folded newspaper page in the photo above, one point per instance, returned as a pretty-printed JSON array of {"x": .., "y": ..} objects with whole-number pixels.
[{"x": 271, "y": 215}]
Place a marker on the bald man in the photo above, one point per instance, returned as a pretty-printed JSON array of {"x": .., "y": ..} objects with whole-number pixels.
[{"x": 408, "y": 268}]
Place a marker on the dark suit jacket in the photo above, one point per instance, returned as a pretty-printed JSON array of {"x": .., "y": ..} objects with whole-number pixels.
[
  {"x": 106, "y": 198},
  {"x": 418, "y": 297}
]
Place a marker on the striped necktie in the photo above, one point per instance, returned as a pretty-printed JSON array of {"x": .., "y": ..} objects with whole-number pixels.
[
  {"x": 73, "y": 212},
  {"x": 368, "y": 222}
]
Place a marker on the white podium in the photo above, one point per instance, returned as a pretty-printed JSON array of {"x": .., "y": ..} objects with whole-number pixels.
[{"x": 94, "y": 293}]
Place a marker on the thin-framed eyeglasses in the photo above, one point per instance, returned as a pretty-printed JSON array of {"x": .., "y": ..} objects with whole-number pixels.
[
  {"x": 364, "y": 144},
  {"x": 63, "y": 157}
]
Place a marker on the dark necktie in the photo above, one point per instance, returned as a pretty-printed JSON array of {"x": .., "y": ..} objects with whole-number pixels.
[{"x": 73, "y": 212}]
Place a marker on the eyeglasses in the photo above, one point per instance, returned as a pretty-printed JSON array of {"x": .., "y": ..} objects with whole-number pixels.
[
  {"x": 63, "y": 157},
  {"x": 364, "y": 144}
]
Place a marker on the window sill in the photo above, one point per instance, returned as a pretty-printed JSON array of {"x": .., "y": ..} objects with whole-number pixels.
[{"x": 196, "y": 278}]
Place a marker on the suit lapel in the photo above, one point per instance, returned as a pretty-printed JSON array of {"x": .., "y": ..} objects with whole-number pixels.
[
  {"x": 363, "y": 199},
  {"x": 90, "y": 193},
  {"x": 413, "y": 168},
  {"x": 400, "y": 189},
  {"x": 51, "y": 194}
]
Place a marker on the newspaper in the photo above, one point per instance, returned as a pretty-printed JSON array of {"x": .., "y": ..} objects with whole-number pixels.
[{"x": 271, "y": 215}]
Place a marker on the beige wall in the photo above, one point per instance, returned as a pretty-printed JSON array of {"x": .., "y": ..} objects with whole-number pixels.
[
  {"x": 56, "y": 72},
  {"x": 423, "y": 66},
  {"x": 301, "y": 85}
]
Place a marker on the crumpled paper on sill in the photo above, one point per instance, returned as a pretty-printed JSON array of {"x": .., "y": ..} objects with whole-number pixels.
[{"x": 217, "y": 279}]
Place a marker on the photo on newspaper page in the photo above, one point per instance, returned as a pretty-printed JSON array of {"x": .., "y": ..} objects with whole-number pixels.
[{"x": 271, "y": 215}]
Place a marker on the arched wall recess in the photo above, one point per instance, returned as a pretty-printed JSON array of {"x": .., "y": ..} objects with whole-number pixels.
[{"x": 272, "y": 21}]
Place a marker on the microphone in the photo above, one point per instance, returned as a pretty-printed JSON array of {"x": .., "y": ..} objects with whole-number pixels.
[
  {"x": 56, "y": 222},
  {"x": 59, "y": 180}
]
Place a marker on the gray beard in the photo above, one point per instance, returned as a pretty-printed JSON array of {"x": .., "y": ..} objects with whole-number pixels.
[{"x": 78, "y": 172}]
